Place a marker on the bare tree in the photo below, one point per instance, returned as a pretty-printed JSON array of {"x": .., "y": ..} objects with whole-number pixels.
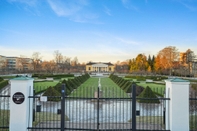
[
  {"x": 36, "y": 60},
  {"x": 190, "y": 57},
  {"x": 58, "y": 58},
  {"x": 74, "y": 62},
  {"x": 48, "y": 66}
]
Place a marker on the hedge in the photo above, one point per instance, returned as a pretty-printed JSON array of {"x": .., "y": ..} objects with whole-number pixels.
[
  {"x": 148, "y": 93},
  {"x": 143, "y": 78},
  {"x": 1, "y": 79},
  {"x": 3, "y": 83},
  {"x": 70, "y": 84},
  {"x": 52, "y": 92},
  {"x": 58, "y": 76}
]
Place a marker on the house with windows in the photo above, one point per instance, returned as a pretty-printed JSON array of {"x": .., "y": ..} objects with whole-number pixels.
[
  {"x": 15, "y": 63},
  {"x": 100, "y": 67}
]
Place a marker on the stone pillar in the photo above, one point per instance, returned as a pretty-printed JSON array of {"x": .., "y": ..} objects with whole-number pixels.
[
  {"x": 177, "y": 108},
  {"x": 21, "y": 107}
]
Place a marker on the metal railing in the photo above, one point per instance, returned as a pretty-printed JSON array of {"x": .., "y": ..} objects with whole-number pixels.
[
  {"x": 193, "y": 111},
  {"x": 98, "y": 113},
  {"x": 4, "y": 109}
]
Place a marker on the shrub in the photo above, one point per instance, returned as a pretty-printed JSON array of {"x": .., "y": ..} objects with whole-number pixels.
[
  {"x": 52, "y": 94},
  {"x": 3, "y": 83},
  {"x": 1, "y": 79},
  {"x": 146, "y": 94}
]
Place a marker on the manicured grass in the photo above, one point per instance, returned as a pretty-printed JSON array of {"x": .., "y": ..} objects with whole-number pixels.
[
  {"x": 42, "y": 86},
  {"x": 108, "y": 87},
  {"x": 39, "y": 117},
  {"x": 149, "y": 119},
  {"x": 47, "y": 116},
  {"x": 193, "y": 122},
  {"x": 4, "y": 119},
  {"x": 158, "y": 88}
]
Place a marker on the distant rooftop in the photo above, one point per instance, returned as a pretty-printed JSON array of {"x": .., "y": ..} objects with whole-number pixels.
[{"x": 92, "y": 63}]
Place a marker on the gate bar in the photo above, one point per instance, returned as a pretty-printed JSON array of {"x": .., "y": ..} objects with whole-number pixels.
[
  {"x": 133, "y": 107},
  {"x": 63, "y": 108},
  {"x": 98, "y": 110}
]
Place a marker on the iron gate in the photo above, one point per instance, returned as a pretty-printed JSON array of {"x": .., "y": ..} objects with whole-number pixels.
[
  {"x": 4, "y": 108},
  {"x": 98, "y": 113}
]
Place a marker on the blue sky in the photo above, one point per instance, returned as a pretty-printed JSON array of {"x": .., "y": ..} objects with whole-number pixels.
[{"x": 96, "y": 30}]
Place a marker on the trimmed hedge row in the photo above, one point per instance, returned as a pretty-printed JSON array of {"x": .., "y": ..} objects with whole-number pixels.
[
  {"x": 70, "y": 85},
  {"x": 1, "y": 79},
  {"x": 140, "y": 91},
  {"x": 3, "y": 83},
  {"x": 143, "y": 78},
  {"x": 59, "y": 76},
  {"x": 148, "y": 93},
  {"x": 125, "y": 85}
]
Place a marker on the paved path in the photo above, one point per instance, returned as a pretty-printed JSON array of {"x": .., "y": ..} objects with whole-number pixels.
[{"x": 93, "y": 126}]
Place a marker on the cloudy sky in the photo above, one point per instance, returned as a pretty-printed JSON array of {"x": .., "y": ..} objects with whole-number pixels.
[{"x": 96, "y": 30}]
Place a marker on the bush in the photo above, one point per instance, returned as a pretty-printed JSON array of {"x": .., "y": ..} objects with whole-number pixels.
[
  {"x": 3, "y": 83},
  {"x": 1, "y": 79},
  {"x": 146, "y": 94},
  {"x": 58, "y": 76},
  {"x": 58, "y": 87},
  {"x": 52, "y": 94}
]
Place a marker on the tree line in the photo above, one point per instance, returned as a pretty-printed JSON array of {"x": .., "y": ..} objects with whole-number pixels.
[{"x": 168, "y": 61}]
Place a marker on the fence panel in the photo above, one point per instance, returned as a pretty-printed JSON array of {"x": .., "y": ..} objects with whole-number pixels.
[
  {"x": 193, "y": 110},
  {"x": 98, "y": 112},
  {"x": 4, "y": 108}
]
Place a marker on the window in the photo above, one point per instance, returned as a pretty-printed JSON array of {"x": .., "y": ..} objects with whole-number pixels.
[{"x": 89, "y": 68}]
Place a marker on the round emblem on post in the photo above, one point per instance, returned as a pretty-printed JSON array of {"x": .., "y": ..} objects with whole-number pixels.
[{"x": 18, "y": 98}]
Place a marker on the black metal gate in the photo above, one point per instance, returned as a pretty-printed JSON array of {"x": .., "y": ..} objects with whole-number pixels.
[
  {"x": 193, "y": 110},
  {"x": 4, "y": 109},
  {"x": 98, "y": 113}
]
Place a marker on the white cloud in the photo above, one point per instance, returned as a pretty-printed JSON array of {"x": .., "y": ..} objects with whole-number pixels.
[
  {"x": 126, "y": 41},
  {"x": 190, "y": 7},
  {"x": 107, "y": 11},
  {"x": 189, "y": 4},
  {"x": 28, "y": 2},
  {"x": 127, "y": 4},
  {"x": 74, "y": 10}
]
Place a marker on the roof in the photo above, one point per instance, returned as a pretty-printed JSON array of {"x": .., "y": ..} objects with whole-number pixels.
[
  {"x": 92, "y": 63},
  {"x": 177, "y": 80}
]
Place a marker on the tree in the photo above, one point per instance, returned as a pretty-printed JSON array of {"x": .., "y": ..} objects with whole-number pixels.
[
  {"x": 48, "y": 66},
  {"x": 58, "y": 56},
  {"x": 65, "y": 63},
  {"x": 74, "y": 62},
  {"x": 158, "y": 65},
  {"x": 3, "y": 64},
  {"x": 153, "y": 63},
  {"x": 141, "y": 62},
  {"x": 168, "y": 56},
  {"x": 190, "y": 56},
  {"x": 36, "y": 60},
  {"x": 24, "y": 63},
  {"x": 58, "y": 59}
]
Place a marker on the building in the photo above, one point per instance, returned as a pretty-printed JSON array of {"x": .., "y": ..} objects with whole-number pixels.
[
  {"x": 99, "y": 67},
  {"x": 15, "y": 63}
]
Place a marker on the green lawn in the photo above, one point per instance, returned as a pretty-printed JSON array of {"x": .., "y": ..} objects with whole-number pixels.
[
  {"x": 108, "y": 87},
  {"x": 41, "y": 86},
  {"x": 4, "y": 119},
  {"x": 158, "y": 88},
  {"x": 39, "y": 117}
]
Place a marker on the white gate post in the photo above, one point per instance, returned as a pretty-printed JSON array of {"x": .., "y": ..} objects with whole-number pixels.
[
  {"x": 177, "y": 108},
  {"x": 21, "y": 107}
]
